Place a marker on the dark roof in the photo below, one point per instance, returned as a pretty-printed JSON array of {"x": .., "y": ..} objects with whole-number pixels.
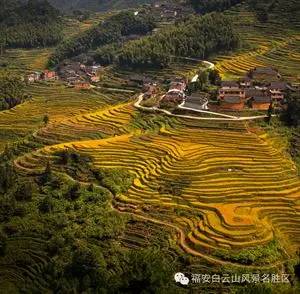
[
  {"x": 265, "y": 70},
  {"x": 261, "y": 99},
  {"x": 229, "y": 84},
  {"x": 251, "y": 92},
  {"x": 245, "y": 79},
  {"x": 232, "y": 100},
  {"x": 174, "y": 94},
  {"x": 137, "y": 78},
  {"x": 278, "y": 85}
]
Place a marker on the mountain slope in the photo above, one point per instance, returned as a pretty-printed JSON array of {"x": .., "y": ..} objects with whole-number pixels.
[
  {"x": 29, "y": 24},
  {"x": 96, "y": 5}
]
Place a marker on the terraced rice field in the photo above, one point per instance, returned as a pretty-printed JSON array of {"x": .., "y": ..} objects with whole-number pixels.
[
  {"x": 26, "y": 60},
  {"x": 212, "y": 187},
  {"x": 265, "y": 44},
  {"x": 54, "y": 100},
  {"x": 234, "y": 190}
]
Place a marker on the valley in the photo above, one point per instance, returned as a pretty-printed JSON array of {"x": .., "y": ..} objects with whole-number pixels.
[{"x": 98, "y": 195}]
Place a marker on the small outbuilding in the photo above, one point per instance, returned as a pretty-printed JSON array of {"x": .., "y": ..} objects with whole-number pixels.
[
  {"x": 232, "y": 103},
  {"x": 260, "y": 102}
]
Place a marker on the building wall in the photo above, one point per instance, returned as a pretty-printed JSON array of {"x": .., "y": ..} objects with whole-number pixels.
[
  {"x": 232, "y": 106},
  {"x": 82, "y": 86},
  {"x": 277, "y": 97},
  {"x": 260, "y": 106},
  {"x": 231, "y": 93}
]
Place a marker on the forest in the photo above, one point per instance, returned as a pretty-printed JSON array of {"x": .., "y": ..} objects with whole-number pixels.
[
  {"x": 74, "y": 233},
  {"x": 196, "y": 37},
  {"x": 205, "y": 6},
  {"x": 96, "y": 5},
  {"x": 109, "y": 31},
  {"x": 11, "y": 90},
  {"x": 29, "y": 24}
]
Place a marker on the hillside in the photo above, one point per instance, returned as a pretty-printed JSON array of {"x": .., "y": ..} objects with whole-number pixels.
[
  {"x": 100, "y": 196},
  {"x": 96, "y": 5},
  {"x": 272, "y": 42},
  {"x": 29, "y": 24}
]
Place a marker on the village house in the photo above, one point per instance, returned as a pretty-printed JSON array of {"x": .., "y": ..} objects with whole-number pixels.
[
  {"x": 33, "y": 77},
  {"x": 264, "y": 74},
  {"x": 277, "y": 90},
  {"x": 150, "y": 87},
  {"x": 245, "y": 82},
  {"x": 94, "y": 79},
  {"x": 174, "y": 96},
  {"x": 72, "y": 71},
  {"x": 136, "y": 80},
  {"x": 179, "y": 86},
  {"x": 72, "y": 80},
  {"x": 169, "y": 11},
  {"x": 231, "y": 89},
  {"x": 48, "y": 75},
  {"x": 260, "y": 102},
  {"x": 255, "y": 92},
  {"x": 176, "y": 93},
  {"x": 150, "y": 90},
  {"x": 82, "y": 85},
  {"x": 232, "y": 103},
  {"x": 93, "y": 70}
]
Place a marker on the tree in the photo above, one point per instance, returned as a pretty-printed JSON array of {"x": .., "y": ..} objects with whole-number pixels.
[
  {"x": 7, "y": 177},
  {"x": 214, "y": 77},
  {"x": 74, "y": 192},
  {"x": 104, "y": 34},
  {"x": 203, "y": 79},
  {"x": 11, "y": 90},
  {"x": 24, "y": 191},
  {"x": 84, "y": 261},
  {"x": 46, "y": 205},
  {"x": 262, "y": 14},
  {"x": 256, "y": 289},
  {"x": 7, "y": 207},
  {"x": 291, "y": 113},
  {"x": 28, "y": 24},
  {"x": 46, "y": 176},
  {"x": 2, "y": 44},
  {"x": 205, "y": 6},
  {"x": 46, "y": 119},
  {"x": 148, "y": 271},
  {"x": 197, "y": 37},
  {"x": 3, "y": 243},
  {"x": 269, "y": 113}
]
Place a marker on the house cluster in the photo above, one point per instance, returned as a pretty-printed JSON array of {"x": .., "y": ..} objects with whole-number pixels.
[
  {"x": 46, "y": 75},
  {"x": 168, "y": 10},
  {"x": 259, "y": 89},
  {"x": 79, "y": 75},
  {"x": 176, "y": 93},
  {"x": 139, "y": 80},
  {"x": 150, "y": 89}
]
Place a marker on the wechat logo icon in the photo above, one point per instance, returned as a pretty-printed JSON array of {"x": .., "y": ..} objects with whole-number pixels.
[{"x": 181, "y": 278}]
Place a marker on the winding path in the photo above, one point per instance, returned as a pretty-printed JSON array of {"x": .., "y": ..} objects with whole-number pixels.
[{"x": 225, "y": 117}]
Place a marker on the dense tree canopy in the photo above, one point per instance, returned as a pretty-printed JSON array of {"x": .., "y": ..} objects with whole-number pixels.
[
  {"x": 11, "y": 90},
  {"x": 79, "y": 246},
  {"x": 29, "y": 24},
  {"x": 291, "y": 115},
  {"x": 197, "y": 37},
  {"x": 204, "y": 6},
  {"x": 109, "y": 31}
]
